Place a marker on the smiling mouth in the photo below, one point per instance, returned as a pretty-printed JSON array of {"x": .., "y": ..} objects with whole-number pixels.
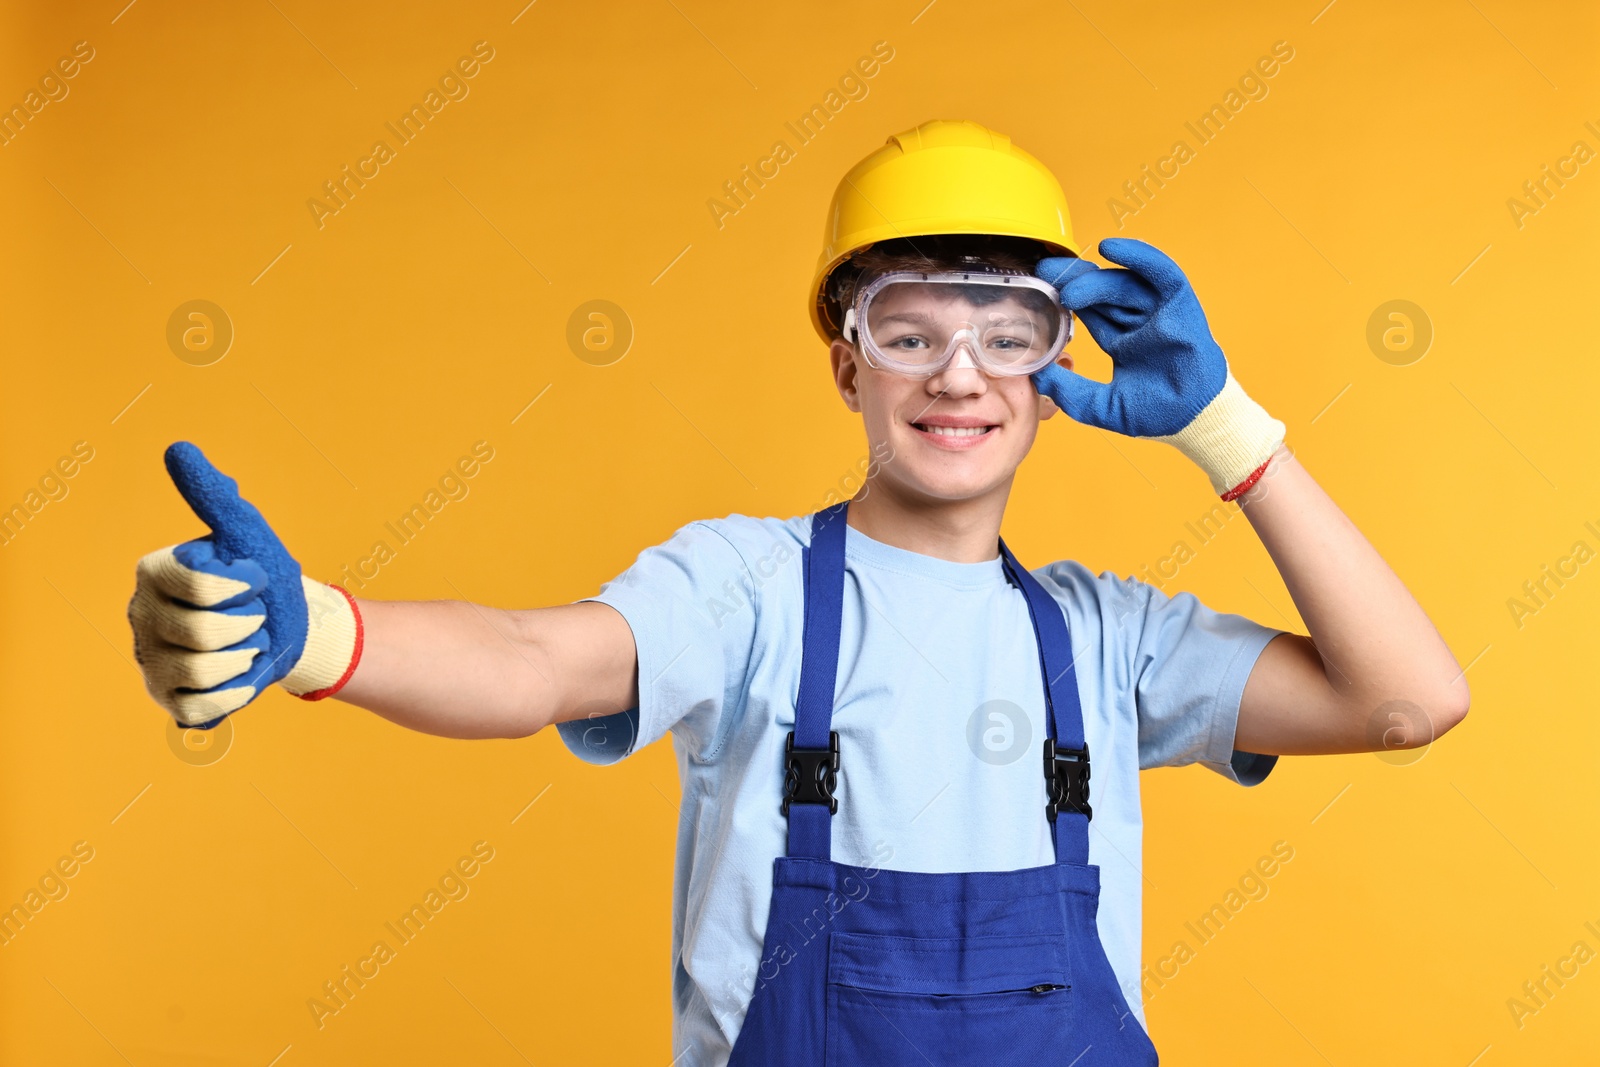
[{"x": 953, "y": 431}]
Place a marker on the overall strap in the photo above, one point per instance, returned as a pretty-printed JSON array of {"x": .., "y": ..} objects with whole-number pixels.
[
  {"x": 812, "y": 758},
  {"x": 1066, "y": 755}
]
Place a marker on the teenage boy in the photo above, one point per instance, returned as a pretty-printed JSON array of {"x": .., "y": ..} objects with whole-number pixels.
[{"x": 890, "y": 849}]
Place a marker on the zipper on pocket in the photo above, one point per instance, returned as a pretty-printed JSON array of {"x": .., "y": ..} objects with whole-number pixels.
[{"x": 1043, "y": 987}]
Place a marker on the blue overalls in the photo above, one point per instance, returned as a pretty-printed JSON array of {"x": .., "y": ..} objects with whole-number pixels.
[{"x": 918, "y": 969}]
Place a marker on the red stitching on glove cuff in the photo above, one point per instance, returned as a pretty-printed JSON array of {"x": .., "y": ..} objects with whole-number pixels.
[
  {"x": 355, "y": 657},
  {"x": 1244, "y": 486}
]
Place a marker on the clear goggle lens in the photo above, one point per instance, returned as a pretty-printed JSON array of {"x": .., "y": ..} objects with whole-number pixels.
[{"x": 916, "y": 324}]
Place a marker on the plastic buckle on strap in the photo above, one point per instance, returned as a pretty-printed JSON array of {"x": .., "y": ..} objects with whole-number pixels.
[
  {"x": 1066, "y": 779},
  {"x": 811, "y": 773}
]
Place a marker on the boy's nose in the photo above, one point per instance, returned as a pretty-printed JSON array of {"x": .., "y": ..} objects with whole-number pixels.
[{"x": 962, "y": 377}]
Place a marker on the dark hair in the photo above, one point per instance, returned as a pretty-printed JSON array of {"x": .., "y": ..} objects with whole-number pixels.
[{"x": 938, "y": 252}]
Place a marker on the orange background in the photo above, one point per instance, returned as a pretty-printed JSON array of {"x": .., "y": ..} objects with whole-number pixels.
[{"x": 431, "y": 310}]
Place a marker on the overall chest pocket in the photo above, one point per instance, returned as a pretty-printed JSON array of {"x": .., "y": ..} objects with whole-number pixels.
[{"x": 917, "y": 1001}]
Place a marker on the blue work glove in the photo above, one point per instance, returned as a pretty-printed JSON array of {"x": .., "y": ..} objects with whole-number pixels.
[
  {"x": 218, "y": 619},
  {"x": 1170, "y": 380}
]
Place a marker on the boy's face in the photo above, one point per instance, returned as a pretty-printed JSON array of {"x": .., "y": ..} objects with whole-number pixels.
[{"x": 955, "y": 436}]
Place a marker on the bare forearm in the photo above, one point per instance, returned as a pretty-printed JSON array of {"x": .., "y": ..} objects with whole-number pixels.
[
  {"x": 1375, "y": 642},
  {"x": 447, "y": 667},
  {"x": 464, "y": 670}
]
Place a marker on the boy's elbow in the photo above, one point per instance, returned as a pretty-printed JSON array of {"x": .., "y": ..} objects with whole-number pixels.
[
  {"x": 525, "y": 723},
  {"x": 1451, "y": 708}
]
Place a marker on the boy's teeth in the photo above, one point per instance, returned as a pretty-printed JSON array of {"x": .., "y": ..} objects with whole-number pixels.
[{"x": 956, "y": 431}]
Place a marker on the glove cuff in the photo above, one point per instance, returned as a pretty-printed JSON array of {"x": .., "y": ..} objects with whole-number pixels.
[
  {"x": 333, "y": 643},
  {"x": 1231, "y": 439}
]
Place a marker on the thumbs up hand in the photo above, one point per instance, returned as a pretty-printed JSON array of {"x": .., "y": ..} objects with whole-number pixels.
[{"x": 218, "y": 619}]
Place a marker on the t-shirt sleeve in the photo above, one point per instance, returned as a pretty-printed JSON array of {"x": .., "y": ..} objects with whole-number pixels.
[
  {"x": 1190, "y": 665},
  {"x": 687, "y": 602}
]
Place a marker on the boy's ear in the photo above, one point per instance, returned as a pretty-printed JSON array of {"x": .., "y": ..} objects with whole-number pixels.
[
  {"x": 1047, "y": 407},
  {"x": 843, "y": 355}
]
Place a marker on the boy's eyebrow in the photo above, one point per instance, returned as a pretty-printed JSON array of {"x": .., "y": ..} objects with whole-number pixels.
[
  {"x": 904, "y": 316},
  {"x": 1014, "y": 320}
]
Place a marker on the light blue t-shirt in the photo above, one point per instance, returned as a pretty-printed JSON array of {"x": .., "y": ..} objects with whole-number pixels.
[{"x": 940, "y": 711}]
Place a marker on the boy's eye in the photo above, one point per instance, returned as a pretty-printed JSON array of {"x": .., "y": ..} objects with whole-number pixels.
[{"x": 1013, "y": 344}]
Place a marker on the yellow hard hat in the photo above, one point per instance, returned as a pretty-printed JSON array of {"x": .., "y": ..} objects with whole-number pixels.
[{"x": 944, "y": 176}]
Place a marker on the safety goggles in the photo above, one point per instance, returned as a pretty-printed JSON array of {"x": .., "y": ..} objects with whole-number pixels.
[{"x": 914, "y": 324}]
